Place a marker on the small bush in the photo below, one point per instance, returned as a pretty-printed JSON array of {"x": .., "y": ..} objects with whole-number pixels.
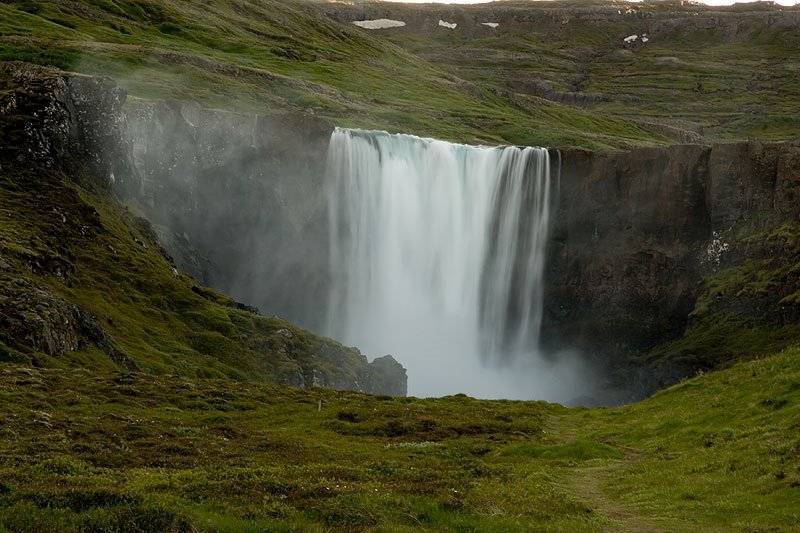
[
  {"x": 136, "y": 518},
  {"x": 348, "y": 416}
]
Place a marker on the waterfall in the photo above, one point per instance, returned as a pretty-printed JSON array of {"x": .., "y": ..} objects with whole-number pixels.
[{"x": 437, "y": 257}]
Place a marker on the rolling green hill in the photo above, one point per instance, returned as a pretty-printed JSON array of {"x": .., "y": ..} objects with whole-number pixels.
[
  {"x": 693, "y": 73},
  {"x": 553, "y": 74}
]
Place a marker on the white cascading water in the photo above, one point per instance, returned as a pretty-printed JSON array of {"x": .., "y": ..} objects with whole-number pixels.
[{"x": 437, "y": 257}]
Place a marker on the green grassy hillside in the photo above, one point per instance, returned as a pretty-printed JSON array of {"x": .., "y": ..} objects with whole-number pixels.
[
  {"x": 703, "y": 73},
  {"x": 133, "y": 400},
  {"x": 270, "y": 56},
  {"x": 100, "y": 451},
  {"x": 83, "y": 283},
  {"x": 551, "y": 74}
]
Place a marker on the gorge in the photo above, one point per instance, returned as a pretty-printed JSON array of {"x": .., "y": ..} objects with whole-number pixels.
[
  {"x": 271, "y": 265},
  {"x": 636, "y": 242}
]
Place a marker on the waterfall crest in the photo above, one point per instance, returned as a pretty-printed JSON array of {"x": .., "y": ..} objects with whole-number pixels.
[{"x": 437, "y": 257}]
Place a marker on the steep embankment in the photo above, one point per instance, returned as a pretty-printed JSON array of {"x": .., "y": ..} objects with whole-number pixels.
[{"x": 85, "y": 283}]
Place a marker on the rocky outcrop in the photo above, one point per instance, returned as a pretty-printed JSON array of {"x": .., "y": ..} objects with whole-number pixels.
[
  {"x": 35, "y": 320},
  {"x": 385, "y": 376},
  {"x": 55, "y": 120}
]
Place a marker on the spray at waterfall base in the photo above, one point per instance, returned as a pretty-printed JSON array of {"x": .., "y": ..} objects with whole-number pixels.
[{"x": 437, "y": 257}]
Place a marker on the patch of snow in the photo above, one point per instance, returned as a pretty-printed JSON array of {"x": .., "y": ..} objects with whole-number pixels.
[
  {"x": 451, "y": 25},
  {"x": 490, "y": 24},
  {"x": 630, "y": 38},
  {"x": 379, "y": 24},
  {"x": 645, "y": 39}
]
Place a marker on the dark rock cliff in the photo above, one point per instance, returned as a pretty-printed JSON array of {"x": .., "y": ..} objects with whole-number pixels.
[
  {"x": 635, "y": 234},
  {"x": 52, "y": 119}
]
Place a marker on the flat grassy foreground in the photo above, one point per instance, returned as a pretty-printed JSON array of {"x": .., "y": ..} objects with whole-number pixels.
[{"x": 91, "y": 451}]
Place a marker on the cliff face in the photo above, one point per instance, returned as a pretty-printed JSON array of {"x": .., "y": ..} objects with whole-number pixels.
[
  {"x": 638, "y": 237},
  {"x": 627, "y": 241},
  {"x": 237, "y": 200},
  {"x": 641, "y": 240}
]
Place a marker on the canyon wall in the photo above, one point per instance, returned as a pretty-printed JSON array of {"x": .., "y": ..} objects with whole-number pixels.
[
  {"x": 636, "y": 233},
  {"x": 239, "y": 201}
]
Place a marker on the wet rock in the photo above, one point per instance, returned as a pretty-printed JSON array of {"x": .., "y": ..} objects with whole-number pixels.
[
  {"x": 634, "y": 234},
  {"x": 57, "y": 119}
]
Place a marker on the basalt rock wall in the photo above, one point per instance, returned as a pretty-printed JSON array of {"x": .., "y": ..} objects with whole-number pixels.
[
  {"x": 239, "y": 200},
  {"x": 635, "y": 233}
]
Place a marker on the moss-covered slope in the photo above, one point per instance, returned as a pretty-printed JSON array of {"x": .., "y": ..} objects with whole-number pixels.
[{"x": 83, "y": 282}]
